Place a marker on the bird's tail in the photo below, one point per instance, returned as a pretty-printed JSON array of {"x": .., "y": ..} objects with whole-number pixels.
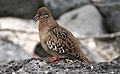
[{"x": 84, "y": 57}]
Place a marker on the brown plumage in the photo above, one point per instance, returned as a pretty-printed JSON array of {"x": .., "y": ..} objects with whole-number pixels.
[{"x": 55, "y": 39}]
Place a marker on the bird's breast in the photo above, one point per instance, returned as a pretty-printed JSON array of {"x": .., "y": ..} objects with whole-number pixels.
[{"x": 41, "y": 27}]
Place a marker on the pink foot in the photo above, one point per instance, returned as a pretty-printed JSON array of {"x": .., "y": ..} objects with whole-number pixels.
[{"x": 52, "y": 59}]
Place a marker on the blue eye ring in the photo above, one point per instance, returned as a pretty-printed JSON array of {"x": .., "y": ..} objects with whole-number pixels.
[{"x": 44, "y": 15}]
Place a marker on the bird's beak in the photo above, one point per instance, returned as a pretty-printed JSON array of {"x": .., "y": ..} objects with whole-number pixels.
[{"x": 36, "y": 17}]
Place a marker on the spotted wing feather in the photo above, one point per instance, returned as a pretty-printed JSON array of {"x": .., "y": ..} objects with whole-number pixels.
[{"x": 59, "y": 41}]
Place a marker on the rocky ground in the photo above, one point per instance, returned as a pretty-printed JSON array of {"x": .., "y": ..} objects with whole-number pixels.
[{"x": 37, "y": 66}]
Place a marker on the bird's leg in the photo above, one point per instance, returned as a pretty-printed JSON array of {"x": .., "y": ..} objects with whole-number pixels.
[
  {"x": 49, "y": 59},
  {"x": 52, "y": 59}
]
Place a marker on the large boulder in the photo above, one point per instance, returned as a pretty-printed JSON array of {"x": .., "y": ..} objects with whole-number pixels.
[{"x": 84, "y": 20}]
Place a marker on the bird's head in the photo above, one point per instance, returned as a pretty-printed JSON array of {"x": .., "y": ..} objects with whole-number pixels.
[{"x": 43, "y": 13}]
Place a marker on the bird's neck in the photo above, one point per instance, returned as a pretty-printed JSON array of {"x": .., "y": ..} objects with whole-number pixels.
[{"x": 46, "y": 24}]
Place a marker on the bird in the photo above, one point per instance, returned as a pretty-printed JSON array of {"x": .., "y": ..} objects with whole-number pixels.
[{"x": 57, "y": 40}]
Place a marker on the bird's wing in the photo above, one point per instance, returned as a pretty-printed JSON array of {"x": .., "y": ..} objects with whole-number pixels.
[{"x": 62, "y": 41}]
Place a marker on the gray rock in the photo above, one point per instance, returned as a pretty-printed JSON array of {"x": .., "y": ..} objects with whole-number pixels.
[
  {"x": 110, "y": 9},
  {"x": 84, "y": 20},
  {"x": 10, "y": 51},
  {"x": 19, "y": 8},
  {"x": 59, "y": 7}
]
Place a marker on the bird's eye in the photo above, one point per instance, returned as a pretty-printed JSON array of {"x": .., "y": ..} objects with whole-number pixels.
[{"x": 44, "y": 15}]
